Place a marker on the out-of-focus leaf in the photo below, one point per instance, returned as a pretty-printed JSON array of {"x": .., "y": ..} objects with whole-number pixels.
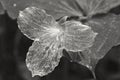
[
  {"x": 108, "y": 29},
  {"x": 92, "y": 7},
  {"x": 42, "y": 59},
  {"x": 56, "y": 8},
  {"x": 78, "y": 37},
  {"x": 59, "y": 8},
  {"x": 118, "y": 42},
  {"x": 33, "y": 22},
  {"x": 1, "y": 9}
]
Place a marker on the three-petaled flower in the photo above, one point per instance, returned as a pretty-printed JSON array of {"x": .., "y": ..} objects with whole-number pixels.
[{"x": 50, "y": 38}]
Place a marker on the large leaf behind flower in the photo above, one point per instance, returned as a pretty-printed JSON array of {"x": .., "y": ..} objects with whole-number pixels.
[
  {"x": 56, "y": 8},
  {"x": 1, "y": 9},
  {"x": 59, "y": 8},
  {"x": 92, "y": 7},
  {"x": 108, "y": 29}
]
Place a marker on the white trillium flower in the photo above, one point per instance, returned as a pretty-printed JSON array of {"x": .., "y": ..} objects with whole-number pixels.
[{"x": 50, "y": 38}]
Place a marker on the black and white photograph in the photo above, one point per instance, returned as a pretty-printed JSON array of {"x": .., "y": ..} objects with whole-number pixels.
[{"x": 59, "y": 39}]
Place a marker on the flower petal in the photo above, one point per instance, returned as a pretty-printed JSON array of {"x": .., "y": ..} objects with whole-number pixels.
[
  {"x": 42, "y": 59},
  {"x": 33, "y": 22},
  {"x": 78, "y": 37}
]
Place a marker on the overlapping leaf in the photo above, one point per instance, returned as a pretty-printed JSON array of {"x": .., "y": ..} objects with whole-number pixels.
[
  {"x": 59, "y": 8},
  {"x": 108, "y": 29},
  {"x": 92, "y": 7},
  {"x": 56, "y": 8},
  {"x": 1, "y": 9}
]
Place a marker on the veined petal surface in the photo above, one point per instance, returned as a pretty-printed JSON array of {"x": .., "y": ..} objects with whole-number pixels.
[
  {"x": 78, "y": 37},
  {"x": 34, "y": 22},
  {"x": 44, "y": 54},
  {"x": 42, "y": 59}
]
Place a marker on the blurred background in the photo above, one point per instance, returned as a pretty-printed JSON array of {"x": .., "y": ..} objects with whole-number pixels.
[{"x": 14, "y": 46}]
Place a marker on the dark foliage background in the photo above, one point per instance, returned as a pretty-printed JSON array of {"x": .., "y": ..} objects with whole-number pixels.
[{"x": 14, "y": 46}]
